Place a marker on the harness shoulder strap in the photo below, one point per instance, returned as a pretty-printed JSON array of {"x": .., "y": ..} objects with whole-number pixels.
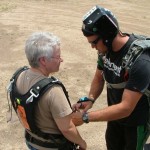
[
  {"x": 21, "y": 69},
  {"x": 15, "y": 76},
  {"x": 47, "y": 83},
  {"x": 135, "y": 50}
]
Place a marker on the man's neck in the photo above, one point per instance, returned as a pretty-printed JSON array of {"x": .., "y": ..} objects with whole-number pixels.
[
  {"x": 40, "y": 70},
  {"x": 119, "y": 41}
]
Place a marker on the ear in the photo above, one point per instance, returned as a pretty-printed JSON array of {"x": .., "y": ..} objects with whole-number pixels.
[{"x": 42, "y": 61}]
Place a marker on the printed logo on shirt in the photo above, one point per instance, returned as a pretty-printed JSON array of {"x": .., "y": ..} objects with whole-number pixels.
[{"x": 111, "y": 66}]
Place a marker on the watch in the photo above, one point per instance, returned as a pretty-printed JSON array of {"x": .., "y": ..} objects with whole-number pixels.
[{"x": 85, "y": 117}]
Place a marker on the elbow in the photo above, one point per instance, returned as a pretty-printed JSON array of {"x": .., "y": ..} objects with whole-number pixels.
[
  {"x": 66, "y": 131},
  {"x": 126, "y": 112}
]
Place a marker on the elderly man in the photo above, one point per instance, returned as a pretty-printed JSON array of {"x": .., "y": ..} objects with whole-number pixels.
[{"x": 41, "y": 102}]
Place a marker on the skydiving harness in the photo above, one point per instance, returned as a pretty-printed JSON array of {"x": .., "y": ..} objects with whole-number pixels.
[
  {"x": 141, "y": 44},
  {"x": 24, "y": 106}
]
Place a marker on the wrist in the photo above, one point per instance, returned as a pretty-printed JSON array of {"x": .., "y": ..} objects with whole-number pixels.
[{"x": 91, "y": 99}]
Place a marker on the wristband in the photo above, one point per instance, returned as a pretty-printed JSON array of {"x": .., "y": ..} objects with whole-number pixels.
[{"x": 85, "y": 99}]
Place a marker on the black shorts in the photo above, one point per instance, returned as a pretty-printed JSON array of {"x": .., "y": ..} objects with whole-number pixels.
[{"x": 121, "y": 137}]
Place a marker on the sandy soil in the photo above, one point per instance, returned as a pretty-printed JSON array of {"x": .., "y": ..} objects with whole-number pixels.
[{"x": 20, "y": 18}]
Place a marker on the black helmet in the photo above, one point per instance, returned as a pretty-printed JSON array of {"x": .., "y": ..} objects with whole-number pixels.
[{"x": 100, "y": 21}]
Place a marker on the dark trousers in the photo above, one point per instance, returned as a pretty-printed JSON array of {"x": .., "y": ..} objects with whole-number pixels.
[
  {"x": 147, "y": 146},
  {"x": 121, "y": 137}
]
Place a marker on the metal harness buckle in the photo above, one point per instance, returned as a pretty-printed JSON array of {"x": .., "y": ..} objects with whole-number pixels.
[{"x": 30, "y": 99}]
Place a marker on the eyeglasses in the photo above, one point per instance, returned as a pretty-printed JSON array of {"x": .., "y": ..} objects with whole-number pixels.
[
  {"x": 59, "y": 58},
  {"x": 95, "y": 41}
]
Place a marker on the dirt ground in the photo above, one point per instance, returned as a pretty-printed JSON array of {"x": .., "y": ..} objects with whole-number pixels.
[{"x": 20, "y": 18}]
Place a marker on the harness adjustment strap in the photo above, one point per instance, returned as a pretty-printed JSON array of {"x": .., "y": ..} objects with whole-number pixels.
[{"x": 33, "y": 140}]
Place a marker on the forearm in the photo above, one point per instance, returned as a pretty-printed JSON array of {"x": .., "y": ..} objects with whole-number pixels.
[
  {"x": 73, "y": 135},
  {"x": 96, "y": 88},
  {"x": 110, "y": 113},
  {"x": 69, "y": 130},
  {"x": 117, "y": 111}
]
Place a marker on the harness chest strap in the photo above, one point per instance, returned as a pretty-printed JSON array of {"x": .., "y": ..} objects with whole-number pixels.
[
  {"x": 33, "y": 140},
  {"x": 116, "y": 86}
]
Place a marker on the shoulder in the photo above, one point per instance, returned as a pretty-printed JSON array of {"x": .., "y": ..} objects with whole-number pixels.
[
  {"x": 57, "y": 102},
  {"x": 53, "y": 90},
  {"x": 54, "y": 96},
  {"x": 142, "y": 65},
  {"x": 100, "y": 62},
  {"x": 140, "y": 71},
  {"x": 56, "y": 89},
  {"x": 139, "y": 76}
]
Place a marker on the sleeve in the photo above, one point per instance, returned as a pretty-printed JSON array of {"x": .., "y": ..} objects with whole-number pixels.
[
  {"x": 139, "y": 76},
  {"x": 100, "y": 63},
  {"x": 58, "y": 103}
]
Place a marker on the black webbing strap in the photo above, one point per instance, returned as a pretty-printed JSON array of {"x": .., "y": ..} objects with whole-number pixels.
[
  {"x": 16, "y": 74},
  {"x": 33, "y": 140},
  {"x": 54, "y": 81}
]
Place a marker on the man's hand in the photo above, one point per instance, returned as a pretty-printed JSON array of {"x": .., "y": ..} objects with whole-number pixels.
[
  {"x": 77, "y": 118},
  {"x": 85, "y": 106}
]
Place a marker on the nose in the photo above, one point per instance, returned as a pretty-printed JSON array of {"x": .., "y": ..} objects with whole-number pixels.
[
  {"x": 61, "y": 60},
  {"x": 93, "y": 46}
]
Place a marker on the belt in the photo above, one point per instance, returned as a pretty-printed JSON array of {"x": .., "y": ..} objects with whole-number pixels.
[{"x": 33, "y": 140}]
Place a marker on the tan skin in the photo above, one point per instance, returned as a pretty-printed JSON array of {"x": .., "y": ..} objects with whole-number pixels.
[{"x": 114, "y": 112}]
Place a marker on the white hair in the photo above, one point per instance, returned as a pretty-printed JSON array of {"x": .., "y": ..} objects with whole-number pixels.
[{"x": 40, "y": 44}]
